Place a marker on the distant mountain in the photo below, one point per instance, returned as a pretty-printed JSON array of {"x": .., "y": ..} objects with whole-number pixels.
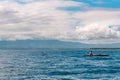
[
  {"x": 51, "y": 44},
  {"x": 39, "y": 44}
]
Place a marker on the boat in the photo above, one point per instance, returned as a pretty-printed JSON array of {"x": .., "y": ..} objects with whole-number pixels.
[
  {"x": 91, "y": 54},
  {"x": 97, "y": 55}
]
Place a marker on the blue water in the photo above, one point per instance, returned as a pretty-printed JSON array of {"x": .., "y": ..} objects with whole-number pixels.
[{"x": 58, "y": 65}]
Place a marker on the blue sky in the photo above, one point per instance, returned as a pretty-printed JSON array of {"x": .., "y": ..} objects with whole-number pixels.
[
  {"x": 84, "y": 21},
  {"x": 21, "y": 2},
  {"x": 102, "y": 3},
  {"x": 110, "y": 4},
  {"x": 92, "y": 3}
]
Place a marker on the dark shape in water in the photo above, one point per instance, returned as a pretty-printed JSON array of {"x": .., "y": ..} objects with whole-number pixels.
[
  {"x": 97, "y": 55},
  {"x": 91, "y": 54}
]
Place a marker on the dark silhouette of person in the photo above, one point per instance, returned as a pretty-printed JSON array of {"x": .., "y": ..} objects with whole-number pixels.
[{"x": 91, "y": 53}]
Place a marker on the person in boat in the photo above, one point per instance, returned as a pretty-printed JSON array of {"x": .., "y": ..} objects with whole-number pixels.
[{"x": 90, "y": 53}]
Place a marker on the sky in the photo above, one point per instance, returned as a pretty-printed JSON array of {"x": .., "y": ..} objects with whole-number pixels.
[{"x": 84, "y": 21}]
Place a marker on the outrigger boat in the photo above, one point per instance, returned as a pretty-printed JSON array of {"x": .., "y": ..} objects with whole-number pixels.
[{"x": 91, "y": 54}]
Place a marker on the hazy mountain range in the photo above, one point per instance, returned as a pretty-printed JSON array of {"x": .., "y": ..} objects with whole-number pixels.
[{"x": 51, "y": 44}]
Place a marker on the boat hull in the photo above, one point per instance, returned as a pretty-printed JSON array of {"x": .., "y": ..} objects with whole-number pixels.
[{"x": 97, "y": 55}]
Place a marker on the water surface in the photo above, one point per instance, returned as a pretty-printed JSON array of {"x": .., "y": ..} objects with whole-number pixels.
[{"x": 58, "y": 65}]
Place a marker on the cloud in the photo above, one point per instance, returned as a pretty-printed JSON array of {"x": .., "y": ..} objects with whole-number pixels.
[
  {"x": 34, "y": 20},
  {"x": 94, "y": 26},
  {"x": 43, "y": 19}
]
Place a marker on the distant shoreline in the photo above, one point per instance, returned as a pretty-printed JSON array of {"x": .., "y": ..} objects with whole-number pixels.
[
  {"x": 105, "y": 48},
  {"x": 59, "y": 48}
]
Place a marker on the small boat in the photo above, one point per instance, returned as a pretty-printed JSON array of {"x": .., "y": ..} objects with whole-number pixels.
[
  {"x": 97, "y": 55},
  {"x": 91, "y": 54}
]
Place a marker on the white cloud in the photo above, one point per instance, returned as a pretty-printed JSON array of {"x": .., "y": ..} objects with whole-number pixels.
[
  {"x": 94, "y": 26},
  {"x": 34, "y": 20},
  {"x": 43, "y": 19}
]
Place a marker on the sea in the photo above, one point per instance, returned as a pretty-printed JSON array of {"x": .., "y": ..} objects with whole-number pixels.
[{"x": 59, "y": 64}]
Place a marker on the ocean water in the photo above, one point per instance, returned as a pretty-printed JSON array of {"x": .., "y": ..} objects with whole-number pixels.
[{"x": 53, "y": 64}]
